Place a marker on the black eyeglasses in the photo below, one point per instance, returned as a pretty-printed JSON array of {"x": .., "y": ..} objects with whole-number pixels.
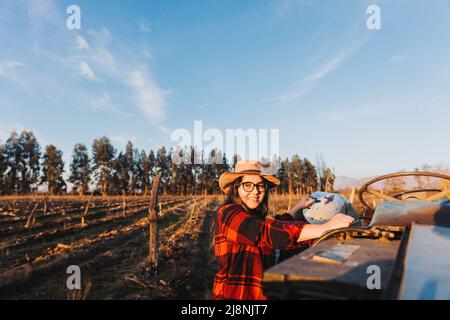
[{"x": 249, "y": 186}]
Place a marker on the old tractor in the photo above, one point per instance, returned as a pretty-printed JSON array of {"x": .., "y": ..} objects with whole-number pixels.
[{"x": 402, "y": 251}]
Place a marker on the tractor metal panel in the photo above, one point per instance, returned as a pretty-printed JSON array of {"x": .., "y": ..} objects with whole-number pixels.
[
  {"x": 427, "y": 264},
  {"x": 302, "y": 277},
  {"x": 404, "y": 213}
]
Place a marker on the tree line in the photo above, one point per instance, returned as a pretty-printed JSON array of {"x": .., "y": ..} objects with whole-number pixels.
[{"x": 108, "y": 171}]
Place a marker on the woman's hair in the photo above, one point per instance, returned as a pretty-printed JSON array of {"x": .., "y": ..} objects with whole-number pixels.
[{"x": 232, "y": 196}]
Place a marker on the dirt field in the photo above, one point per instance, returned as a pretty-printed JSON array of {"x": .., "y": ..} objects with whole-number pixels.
[
  {"x": 40, "y": 239},
  {"x": 111, "y": 249}
]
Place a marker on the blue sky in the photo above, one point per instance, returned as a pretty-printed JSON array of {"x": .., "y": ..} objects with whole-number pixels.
[{"x": 369, "y": 101}]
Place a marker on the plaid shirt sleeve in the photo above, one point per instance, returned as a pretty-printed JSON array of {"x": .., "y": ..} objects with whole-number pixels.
[
  {"x": 284, "y": 217},
  {"x": 287, "y": 217},
  {"x": 242, "y": 227}
]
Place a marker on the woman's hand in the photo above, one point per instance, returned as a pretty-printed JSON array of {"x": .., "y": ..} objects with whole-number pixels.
[
  {"x": 305, "y": 202},
  {"x": 302, "y": 204},
  {"x": 313, "y": 231},
  {"x": 338, "y": 221}
]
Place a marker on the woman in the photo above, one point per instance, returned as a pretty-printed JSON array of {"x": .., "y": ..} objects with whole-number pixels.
[{"x": 245, "y": 240}]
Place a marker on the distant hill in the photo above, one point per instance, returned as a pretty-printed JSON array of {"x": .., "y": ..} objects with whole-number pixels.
[{"x": 343, "y": 182}]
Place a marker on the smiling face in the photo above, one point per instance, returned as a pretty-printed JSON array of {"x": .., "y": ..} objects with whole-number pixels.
[{"x": 254, "y": 198}]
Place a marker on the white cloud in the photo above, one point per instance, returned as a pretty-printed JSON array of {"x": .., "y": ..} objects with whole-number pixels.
[
  {"x": 99, "y": 54},
  {"x": 382, "y": 108},
  {"x": 325, "y": 69},
  {"x": 149, "y": 98},
  {"x": 398, "y": 58},
  {"x": 86, "y": 71},
  {"x": 143, "y": 25},
  {"x": 103, "y": 37},
  {"x": 81, "y": 43},
  {"x": 92, "y": 57},
  {"x": 43, "y": 17},
  {"x": 147, "y": 52},
  {"x": 105, "y": 103},
  {"x": 310, "y": 81},
  {"x": 299, "y": 92},
  {"x": 164, "y": 129},
  {"x": 42, "y": 12},
  {"x": 105, "y": 61},
  {"x": 9, "y": 65}
]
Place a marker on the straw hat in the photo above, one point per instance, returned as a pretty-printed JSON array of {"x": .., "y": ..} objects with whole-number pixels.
[{"x": 243, "y": 168}]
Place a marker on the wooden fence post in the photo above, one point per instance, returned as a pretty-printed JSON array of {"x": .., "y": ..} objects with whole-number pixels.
[
  {"x": 192, "y": 212},
  {"x": 31, "y": 216},
  {"x": 45, "y": 204},
  {"x": 86, "y": 209},
  {"x": 153, "y": 223},
  {"x": 290, "y": 193},
  {"x": 124, "y": 203},
  {"x": 206, "y": 193}
]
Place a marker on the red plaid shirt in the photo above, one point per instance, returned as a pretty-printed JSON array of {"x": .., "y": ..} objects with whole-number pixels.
[{"x": 245, "y": 245}]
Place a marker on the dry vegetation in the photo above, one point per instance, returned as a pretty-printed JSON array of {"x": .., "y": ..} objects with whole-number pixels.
[
  {"x": 40, "y": 237},
  {"x": 37, "y": 245}
]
